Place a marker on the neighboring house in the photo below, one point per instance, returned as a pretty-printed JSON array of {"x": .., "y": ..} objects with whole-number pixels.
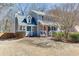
[{"x": 36, "y": 23}]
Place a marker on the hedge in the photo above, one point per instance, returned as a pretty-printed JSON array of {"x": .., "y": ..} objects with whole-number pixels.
[{"x": 74, "y": 36}]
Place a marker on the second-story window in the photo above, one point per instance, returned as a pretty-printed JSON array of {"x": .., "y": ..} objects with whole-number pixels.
[{"x": 29, "y": 19}]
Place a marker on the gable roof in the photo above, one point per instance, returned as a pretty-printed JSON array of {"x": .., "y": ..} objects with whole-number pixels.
[
  {"x": 20, "y": 17},
  {"x": 38, "y": 12}
]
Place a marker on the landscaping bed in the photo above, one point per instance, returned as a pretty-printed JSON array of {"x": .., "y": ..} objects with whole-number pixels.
[
  {"x": 16, "y": 35},
  {"x": 73, "y": 37}
]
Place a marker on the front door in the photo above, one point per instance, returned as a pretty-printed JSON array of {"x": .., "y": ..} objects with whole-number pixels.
[
  {"x": 31, "y": 31},
  {"x": 28, "y": 31}
]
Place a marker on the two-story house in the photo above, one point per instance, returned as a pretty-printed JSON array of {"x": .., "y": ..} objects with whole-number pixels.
[{"x": 35, "y": 24}]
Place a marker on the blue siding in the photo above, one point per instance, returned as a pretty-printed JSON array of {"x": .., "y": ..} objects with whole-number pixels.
[{"x": 33, "y": 21}]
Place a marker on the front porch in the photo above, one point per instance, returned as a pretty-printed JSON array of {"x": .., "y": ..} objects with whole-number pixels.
[
  {"x": 30, "y": 30},
  {"x": 46, "y": 29}
]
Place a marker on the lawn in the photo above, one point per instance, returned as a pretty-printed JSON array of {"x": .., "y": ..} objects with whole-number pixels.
[{"x": 29, "y": 47}]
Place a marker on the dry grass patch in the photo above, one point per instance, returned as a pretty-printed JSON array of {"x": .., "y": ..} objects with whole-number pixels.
[{"x": 29, "y": 47}]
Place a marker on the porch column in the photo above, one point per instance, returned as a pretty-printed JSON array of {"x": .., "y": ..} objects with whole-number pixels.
[
  {"x": 38, "y": 27},
  {"x": 46, "y": 29},
  {"x": 26, "y": 30},
  {"x": 31, "y": 30},
  {"x": 50, "y": 31}
]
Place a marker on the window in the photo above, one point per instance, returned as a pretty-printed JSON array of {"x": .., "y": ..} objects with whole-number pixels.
[
  {"x": 23, "y": 27},
  {"x": 54, "y": 28},
  {"x": 20, "y": 27},
  {"x": 29, "y": 19},
  {"x": 28, "y": 28},
  {"x": 42, "y": 17}
]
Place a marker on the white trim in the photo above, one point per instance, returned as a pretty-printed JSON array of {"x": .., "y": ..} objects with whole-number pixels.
[
  {"x": 31, "y": 32},
  {"x": 29, "y": 19},
  {"x": 23, "y": 24}
]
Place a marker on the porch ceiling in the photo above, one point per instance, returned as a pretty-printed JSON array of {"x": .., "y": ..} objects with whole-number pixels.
[
  {"x": 24, "y": 24},
  {"x": 48, "y": 23}
]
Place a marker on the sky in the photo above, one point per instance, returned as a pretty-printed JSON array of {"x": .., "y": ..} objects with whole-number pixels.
[
  {"x": 36, "y": 6},
  {"x": 28, "y": 6},
  {"x": 46, "y": 6}
]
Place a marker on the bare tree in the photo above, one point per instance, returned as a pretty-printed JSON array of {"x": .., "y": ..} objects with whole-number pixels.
[
  {"x": 4, "y": 9},
  {"x": 22, "y": 8},
  {"x": 67, "y": 14},
  {"x": 7, "y": 26},
  {"x": 68, "y": 17}
]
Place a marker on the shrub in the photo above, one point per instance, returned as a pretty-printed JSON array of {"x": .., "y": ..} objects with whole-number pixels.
[
  {"x": 74, "y": 37},
  {"x": 20, "y": 34},
  {"x": 58, "y": 35}
]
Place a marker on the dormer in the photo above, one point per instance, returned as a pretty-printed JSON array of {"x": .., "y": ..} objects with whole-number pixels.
[{"x": 29, "y": 18}]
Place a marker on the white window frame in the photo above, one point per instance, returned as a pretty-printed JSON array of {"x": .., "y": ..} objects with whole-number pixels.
[{"x": 22, "y": 28}]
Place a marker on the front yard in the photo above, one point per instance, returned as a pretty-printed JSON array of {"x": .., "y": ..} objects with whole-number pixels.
[{"x": 28, "y": 47}]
